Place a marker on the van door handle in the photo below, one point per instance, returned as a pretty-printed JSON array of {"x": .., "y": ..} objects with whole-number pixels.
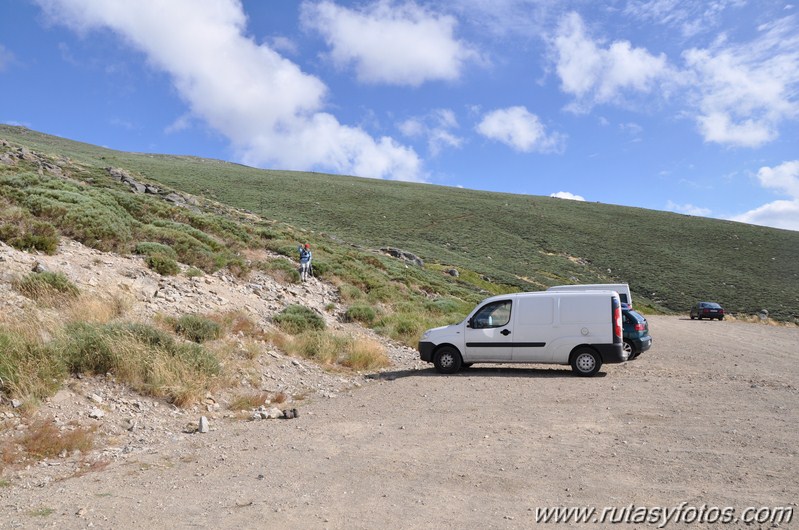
[{"x": 505, "y": 332}]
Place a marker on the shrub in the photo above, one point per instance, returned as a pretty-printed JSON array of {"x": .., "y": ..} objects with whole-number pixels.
[
  {"x": 197, "y": 358},
  {"x": 194, "y": 272},
  {"x": 198, "y": 328},
  {"x": 149, "y": 248},
  {"x": 360, "y": 313},
  {"x": 281, "y": 270},
  {"x": 30, "y": 235},
  {"x": 349, "y": 292},
  {"x": 163, "y": 265},
  {"x": 88, "y": 348},
  {"x": 46, "y": 286},
  {"x": 296, "y": 319}
]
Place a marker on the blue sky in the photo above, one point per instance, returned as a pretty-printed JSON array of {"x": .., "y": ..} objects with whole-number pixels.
[{"x": 679, "y": 105}]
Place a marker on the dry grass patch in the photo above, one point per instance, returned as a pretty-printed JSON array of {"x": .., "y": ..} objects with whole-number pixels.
[
  {"x": 365, "y": 354},
  {"x": 330, "y": 349},
  {"x": 252, "y": 400},
  {"x": 43, "y": 439},
  {"x": 96, "y": 310}
]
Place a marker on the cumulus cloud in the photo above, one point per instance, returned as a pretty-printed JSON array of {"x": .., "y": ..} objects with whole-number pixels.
[
  {"x": 744, "y": 91},
  {"x": 388, "y": 43},
  {"x": 782, "y": 213},
  {"x": 688, "y": 209},
  {"x": 268, "y": 108},
  {"x": 437, "y": 128},
  {"x": 594, "y": 74},
  {"x": 521, "y": 130},
  {"x": 567, "y": 195}
]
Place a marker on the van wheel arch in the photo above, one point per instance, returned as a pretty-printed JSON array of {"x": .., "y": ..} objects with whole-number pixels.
[
  {"x": 447, "y": 359},
  {"x": 585, "y": 361}
]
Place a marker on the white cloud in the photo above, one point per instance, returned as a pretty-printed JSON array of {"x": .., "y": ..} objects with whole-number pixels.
[
  {"x": 5, "y": 57},
  {"x": 777, "y": 214},
  {"x": 396, "y": 44},
  {"x": 519, "y": 129},
  {"x": 744, "y": 91},
  {"x": 436, "y": 128},
  {"x": 688, "y": 209},
  {"x": 782, "y": 213},
  {"x": 594, "y": 74},
  {"x": 567, "y": 195},
  {"x": 265, "y": 105},
  {"x": 691, "y": 18}
]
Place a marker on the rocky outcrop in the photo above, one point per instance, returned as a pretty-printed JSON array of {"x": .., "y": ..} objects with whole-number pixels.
[{"x": 403, "y": 255}]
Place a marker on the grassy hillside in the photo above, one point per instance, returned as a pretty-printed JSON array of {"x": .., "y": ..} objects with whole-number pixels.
[{"x": 527, "y": 242}]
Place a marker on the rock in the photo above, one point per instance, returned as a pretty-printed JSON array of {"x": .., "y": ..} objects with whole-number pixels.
[
  {"x": 453, "y": 272},
  {"x": 15, "y": 403},
  {"x": 274, "y": 413},
  {"x": 203, "y": 427},
  {"x": 38, "y": 268},
  {"x": 174, "y": 198},
  {"x": 763, "y": 314},
  {"x": 96, "y": 413},
  {"x": 403, "y": 255},
  {"x": 96, "y": 398}
]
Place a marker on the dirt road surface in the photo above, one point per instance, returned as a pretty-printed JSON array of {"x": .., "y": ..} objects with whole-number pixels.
[{"x": 707, "y": 417}]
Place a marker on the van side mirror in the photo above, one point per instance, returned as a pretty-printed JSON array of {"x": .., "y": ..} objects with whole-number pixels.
[{"x": 470, "y": 323}]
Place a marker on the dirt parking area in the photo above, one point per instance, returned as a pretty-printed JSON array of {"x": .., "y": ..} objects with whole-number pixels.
[{"x": 707, "y": 417}]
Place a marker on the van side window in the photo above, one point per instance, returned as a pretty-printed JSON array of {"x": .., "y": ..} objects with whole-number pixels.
[{"x": 493, "y": 315}]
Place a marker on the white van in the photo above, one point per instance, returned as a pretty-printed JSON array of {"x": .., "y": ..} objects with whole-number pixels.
[
  {"x": 582, "y": 329},
  {"x": 622, "y": 288}
]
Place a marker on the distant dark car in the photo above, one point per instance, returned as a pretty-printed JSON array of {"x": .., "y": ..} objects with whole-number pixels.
[
  {"x": 635, "y": 331},
  {"x": 709, "y": 310}
]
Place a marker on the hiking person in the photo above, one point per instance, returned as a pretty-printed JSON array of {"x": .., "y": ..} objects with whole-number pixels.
[{"x": 305, "y": 261}]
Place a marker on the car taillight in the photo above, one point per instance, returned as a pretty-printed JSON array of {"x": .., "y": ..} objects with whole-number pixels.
[
  {"x": 616, "y": 322},
  {"x": 640, "y": 327}
]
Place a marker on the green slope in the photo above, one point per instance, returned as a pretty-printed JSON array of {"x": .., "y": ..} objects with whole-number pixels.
[{"x": 669, "y": 260}]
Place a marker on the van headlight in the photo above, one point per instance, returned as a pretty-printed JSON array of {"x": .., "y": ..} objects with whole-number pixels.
[{"x": 425, "y": 335}]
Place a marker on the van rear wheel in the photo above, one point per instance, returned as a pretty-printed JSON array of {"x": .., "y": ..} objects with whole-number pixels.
[
  {"x": 586, "y": 362},
  {"x": 447, "y": 360}
]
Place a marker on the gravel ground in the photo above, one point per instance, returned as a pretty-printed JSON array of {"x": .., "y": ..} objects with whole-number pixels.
[{"x": 706, "y": 417}]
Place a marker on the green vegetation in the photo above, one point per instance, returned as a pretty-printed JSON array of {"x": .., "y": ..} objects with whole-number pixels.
[
  {"x": 498, "y": 242},
  {"x": 296, "y": 319},
  {"x": 360, "y": 313},
  {"x": 46, "y": 286},
  {"x": 197, "y": 328}
]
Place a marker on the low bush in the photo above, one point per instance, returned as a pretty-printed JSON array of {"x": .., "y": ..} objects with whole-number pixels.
[
  {"x": 281, "y": 270},
  {"x": 360, "y": 313},
  {"x": 149, "y": 248},
  {"x": 197, "y": 328},
  {"x": 296, "y": 319},
  {"x": 163, "y": 265}
]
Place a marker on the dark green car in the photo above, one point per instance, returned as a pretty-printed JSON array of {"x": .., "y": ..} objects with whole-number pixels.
[{"x": 635, "y": 331}]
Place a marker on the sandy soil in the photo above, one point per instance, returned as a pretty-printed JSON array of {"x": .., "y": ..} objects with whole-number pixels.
[{"x": 706, "y": 417}]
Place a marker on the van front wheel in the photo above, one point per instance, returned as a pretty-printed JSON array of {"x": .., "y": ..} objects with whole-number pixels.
[
  {"x": 586, "y": 362},
  {"x": 447, "y": 360}
]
